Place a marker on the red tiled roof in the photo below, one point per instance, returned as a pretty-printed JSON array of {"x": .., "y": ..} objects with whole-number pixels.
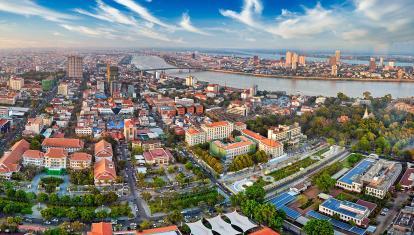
[
  {"x": 103, "y": 149},
  {"x": 157, "y": 153},
  {"x": 56, "y": 153},
  {"x": 80, "y": 157},
  {"x": 101, "y": 229},
  {"x": 406, "y": 179},
  {"x": 171, "y": 228},
  {"x": 217, "y": 124},
  {"x": 265, "y": 231},
  {"x": 104, "y": 170},
  {"x": 192, "y": 131},
  {"x": 33, "y": 154},
  {"x": 63, "y": 143},
  {"x": 10, "y": 160}
]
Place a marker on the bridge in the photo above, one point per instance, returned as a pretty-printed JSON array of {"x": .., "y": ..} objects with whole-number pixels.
[{"x": 170, "y": 68}]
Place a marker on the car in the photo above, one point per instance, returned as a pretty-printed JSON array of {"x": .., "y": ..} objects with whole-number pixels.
[
  {"x": 47, "y": 222},
  {"x": 55, "y": 220}
]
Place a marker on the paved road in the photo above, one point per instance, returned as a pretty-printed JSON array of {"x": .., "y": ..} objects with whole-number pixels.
[
  {"x": 130, "y": 172},
  {"x": 20, "y": 123},
  {"x": 385, "y": 221},
  {"x": 301, "y": 178}
]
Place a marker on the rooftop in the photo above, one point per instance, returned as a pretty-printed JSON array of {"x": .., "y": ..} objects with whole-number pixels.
[
  {"x": 355, "y": 173},
  {"x": 346, "y": 208}
]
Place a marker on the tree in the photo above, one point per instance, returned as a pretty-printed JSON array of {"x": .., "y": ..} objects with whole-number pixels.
[
  {"x": 235, "y": 133},
  {"x": 318, "y": 227},
  {"x": 175, "y": 217},
  {"x": 146, "y": 196},
  {"x": 255, "y": 192},
  {"x": 325, "y": 182},
  {"x": 145, "y": 224},
  {"x": 35, "y": 145}
]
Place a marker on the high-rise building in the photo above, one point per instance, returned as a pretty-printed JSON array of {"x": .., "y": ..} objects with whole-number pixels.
[
  {"x": 63, "y": 89},
  {"x": 337, "y": 56},
  {"x": 111, "y": 73},
  {"x": 253, "y": 90},
  {"x": 332, "y": 61},
  {"x": 75, "y": 67},
  {"x": 302, "y": 60},
  {"x": 295, "y": 60},
  {"x": 372, "y": 64},
  {"x": 288, "y": 61},
  {"x": 190, "y": 81},
  {"x": 381, "y": 62},
  {"x": 16, "y": 83},
  {"x": 334, "y": 71}
]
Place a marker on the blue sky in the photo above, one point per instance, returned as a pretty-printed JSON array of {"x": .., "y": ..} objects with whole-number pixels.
[{"x": 357, "y": 25}]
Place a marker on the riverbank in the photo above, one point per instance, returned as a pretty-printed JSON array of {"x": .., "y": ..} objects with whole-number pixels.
[{"x": 312, "y": 78}]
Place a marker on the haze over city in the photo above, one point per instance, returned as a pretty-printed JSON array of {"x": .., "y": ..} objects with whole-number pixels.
[{"x": 354, "y": 25}]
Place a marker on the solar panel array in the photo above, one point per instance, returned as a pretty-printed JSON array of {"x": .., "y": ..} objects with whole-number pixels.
[
  {"x": 282, "y": 200},
  {"x": 337, "y": 223},
  {"x": 359, "y": 169},
  {"x": 280, "y": 203},
  {"x": 290, "y": 212}
]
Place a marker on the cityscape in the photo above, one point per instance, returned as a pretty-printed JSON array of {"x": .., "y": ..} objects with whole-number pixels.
[{"x": 139, "y": 117}]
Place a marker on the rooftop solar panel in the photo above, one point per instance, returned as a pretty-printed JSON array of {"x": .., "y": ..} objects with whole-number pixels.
[
  {"x": 359, "y": 169},
  {"x": 337, "y": 223},
  {"x": 290, "y": 212}
]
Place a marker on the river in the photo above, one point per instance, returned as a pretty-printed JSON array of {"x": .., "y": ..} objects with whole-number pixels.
[{"x": 291, "y": 86}]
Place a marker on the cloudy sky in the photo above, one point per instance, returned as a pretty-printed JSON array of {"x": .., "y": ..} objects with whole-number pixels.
[{"x": 364, "y": 25}]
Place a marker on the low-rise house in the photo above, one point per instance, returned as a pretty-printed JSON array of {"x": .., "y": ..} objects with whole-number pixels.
[
  {"x": 10, "y": 162},
  {"x": 270, "y": 147},
  {"x": 70, "y": 145},
  {"x": 56, "y": 159},
  {"x": 33, "y": 158},
  {"x": 158, "y": 156},
  {"x": 80, "y": 161},
  {"x": 103, "y": 150},
  {"x": 104, "y": 172},
  {"x": 347, "y": 211},
  {"x": 374, "y": 177},
  {"x": 147, "y": 145},
  {"x": 195, "y": 136},
  {"x": 407, "y": 180}
]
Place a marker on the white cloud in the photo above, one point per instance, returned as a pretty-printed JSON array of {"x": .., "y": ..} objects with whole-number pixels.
[
  {"x": 108, "y": 13},
  {"x": 186, "y": 25},
  {"x": 143, "y": 13},
  {"x": 250, "y": 10},
  {"x": 314, "y": 21},
  {"x": 92, "y": 32},
  {"x": 30, "y": 8}
]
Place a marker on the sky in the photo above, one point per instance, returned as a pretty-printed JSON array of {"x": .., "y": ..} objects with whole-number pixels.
[{"x": 353, "y": 25}]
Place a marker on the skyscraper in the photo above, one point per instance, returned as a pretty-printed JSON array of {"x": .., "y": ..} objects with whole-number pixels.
[
  {"x": 381, "y": 62},
  {"x": 338, "y": 56},
  {"x": 372, "y": 65},
  {"x": 74, "y": 67},
  {"x": 302, "y": 60},
  {"x": 288, "y": 61},
  {"x": 111, "y": 73},
  {"x": 295, "y": 60},
  {"x": 334, "y": 71}
]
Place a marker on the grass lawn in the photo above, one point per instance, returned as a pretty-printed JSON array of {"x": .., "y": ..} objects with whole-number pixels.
[
  {"x": 185, "y": 200},
  {"x": 289, "y": 170},
  {"x": 322, "y": 151}
]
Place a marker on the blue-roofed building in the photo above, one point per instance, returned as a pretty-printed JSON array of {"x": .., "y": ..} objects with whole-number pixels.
[
  {"x": 352, "y": 180},
  {"x": 376, "y": 176},
  {"x": 347, "y": 211}
]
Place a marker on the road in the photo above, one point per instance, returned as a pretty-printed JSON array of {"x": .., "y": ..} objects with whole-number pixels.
[
  {"x": 135, "y": 197},
  {"x": 20, "y": 123},
  {"x": 301, "y": 178},
  {"x": 206, "y": 171},
  {"x": 385, "y": 221}
]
